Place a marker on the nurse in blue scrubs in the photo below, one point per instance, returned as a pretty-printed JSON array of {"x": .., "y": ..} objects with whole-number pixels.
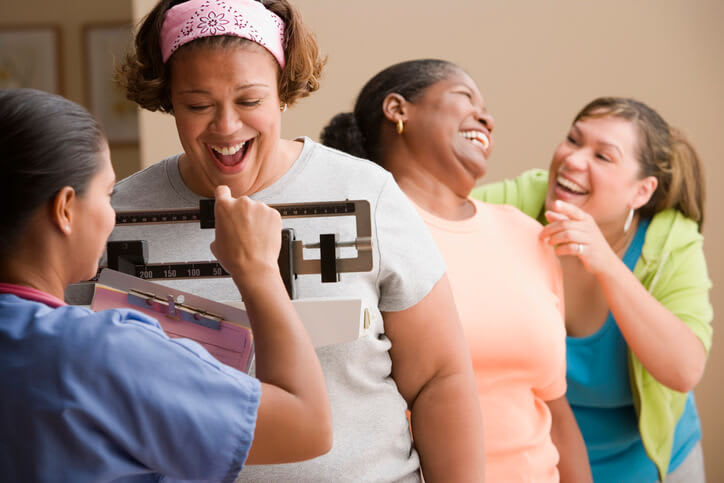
[{"x": 108, "y": 396}]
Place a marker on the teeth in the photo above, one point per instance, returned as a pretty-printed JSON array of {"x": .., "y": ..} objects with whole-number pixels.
[
  {"x": 228, "y": 150},
  {"x": 476, "y": 137},
  {"x": 570, "y": 185}
]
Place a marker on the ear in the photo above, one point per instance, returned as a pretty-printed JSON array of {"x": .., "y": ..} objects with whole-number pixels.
[
  {"x": 394, "y": 107},
  {"x": 62, "y": 209},
  {"x": 644, "y": 192}
]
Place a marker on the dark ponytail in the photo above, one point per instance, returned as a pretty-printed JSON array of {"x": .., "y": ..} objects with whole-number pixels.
[{"x": 344, "y": 134}]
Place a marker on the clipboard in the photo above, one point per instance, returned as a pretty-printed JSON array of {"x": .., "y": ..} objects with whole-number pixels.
[
  {"x": 224, "y": 331},
  {"x": 223, "y": 328}
]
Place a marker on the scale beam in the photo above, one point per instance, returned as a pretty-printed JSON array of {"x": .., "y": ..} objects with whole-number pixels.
[{"x": 130, "y": 256}]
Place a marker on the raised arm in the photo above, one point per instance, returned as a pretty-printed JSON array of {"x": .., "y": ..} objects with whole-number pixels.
[
  {"x": 431, "y": 366},
  {"x": 294, "y": 418}
]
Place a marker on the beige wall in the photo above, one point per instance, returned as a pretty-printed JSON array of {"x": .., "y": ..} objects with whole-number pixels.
[
  {"x": 157, "y": 136},
  {"x": 70, "y": 16}
]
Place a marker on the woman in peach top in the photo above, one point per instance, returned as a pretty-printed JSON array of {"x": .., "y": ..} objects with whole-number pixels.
[{"x": 426, "y": 122}]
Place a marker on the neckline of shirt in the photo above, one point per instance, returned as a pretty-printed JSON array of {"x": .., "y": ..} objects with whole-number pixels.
[
  {"x": 468, "y": 225},
  {"x": 30, "y": 293},
  {"x": 280, "y": 185}
]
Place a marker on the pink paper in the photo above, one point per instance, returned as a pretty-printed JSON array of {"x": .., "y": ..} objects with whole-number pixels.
[{"x": 231, "y": 344}]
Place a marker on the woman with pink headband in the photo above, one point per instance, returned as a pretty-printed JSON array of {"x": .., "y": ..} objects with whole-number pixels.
[{"x": 227, "y": 70}]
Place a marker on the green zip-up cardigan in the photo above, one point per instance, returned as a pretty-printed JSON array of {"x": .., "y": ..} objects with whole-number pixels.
[{"x": 673, "y": 269}]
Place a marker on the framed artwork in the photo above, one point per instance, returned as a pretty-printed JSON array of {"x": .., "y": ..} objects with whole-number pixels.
[
  {"x": 105, "y": 47},
  {"x": 30, "y": 57}
]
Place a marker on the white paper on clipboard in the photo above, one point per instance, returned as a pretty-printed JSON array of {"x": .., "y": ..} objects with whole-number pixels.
[{"x": 329, "y": 320}]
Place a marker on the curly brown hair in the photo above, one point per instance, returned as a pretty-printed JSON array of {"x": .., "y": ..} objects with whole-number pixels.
[{"x": 147, "y": 79}]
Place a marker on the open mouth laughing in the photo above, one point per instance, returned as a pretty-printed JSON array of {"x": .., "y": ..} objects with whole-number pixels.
[
  {"x": 230, "y": 156},
  {"x": 570, "y": 186}
]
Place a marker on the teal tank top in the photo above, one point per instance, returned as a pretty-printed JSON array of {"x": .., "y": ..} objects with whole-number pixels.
[{"x": 599, "y": 392}]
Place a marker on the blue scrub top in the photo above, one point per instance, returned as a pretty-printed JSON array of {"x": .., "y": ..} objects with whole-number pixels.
[
  {"x": 108, "y": 396},
  {"x": 599, "y": 392}
]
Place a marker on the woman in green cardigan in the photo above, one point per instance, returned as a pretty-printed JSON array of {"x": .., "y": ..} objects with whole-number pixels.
[{"x": 623, "y": 204}]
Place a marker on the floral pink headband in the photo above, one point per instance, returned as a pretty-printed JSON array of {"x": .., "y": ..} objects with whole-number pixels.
[{"x": 248, "y": 19}]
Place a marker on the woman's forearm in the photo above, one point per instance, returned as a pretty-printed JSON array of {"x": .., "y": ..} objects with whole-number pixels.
[
  {"x": 294, "y": 417},
  {"x": 666, "y": 347},
  {"x": 573, "y": 465}
]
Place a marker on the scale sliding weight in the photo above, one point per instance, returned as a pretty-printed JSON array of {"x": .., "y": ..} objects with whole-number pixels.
[{"x": 130, "y": 256}]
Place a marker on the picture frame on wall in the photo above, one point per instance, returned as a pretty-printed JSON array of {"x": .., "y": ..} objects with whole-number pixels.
[
  {"x": 30, "y": 56},
  {"x": 105, "y": 47}
]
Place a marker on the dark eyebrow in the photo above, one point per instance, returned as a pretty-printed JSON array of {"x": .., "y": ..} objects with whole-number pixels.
[{"x": 613, "y": 146}]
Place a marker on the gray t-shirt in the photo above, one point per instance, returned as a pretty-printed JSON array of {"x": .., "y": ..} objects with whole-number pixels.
[{"x": 371, "y": 436}]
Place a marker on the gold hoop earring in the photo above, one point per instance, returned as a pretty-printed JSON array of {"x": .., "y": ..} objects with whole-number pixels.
[
  {"x": 400, "y": 126},
  {"x": 283, "y": 107}
]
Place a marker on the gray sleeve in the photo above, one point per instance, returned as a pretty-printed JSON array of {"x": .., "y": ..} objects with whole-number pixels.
[{"x": 410, "y": 263}]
